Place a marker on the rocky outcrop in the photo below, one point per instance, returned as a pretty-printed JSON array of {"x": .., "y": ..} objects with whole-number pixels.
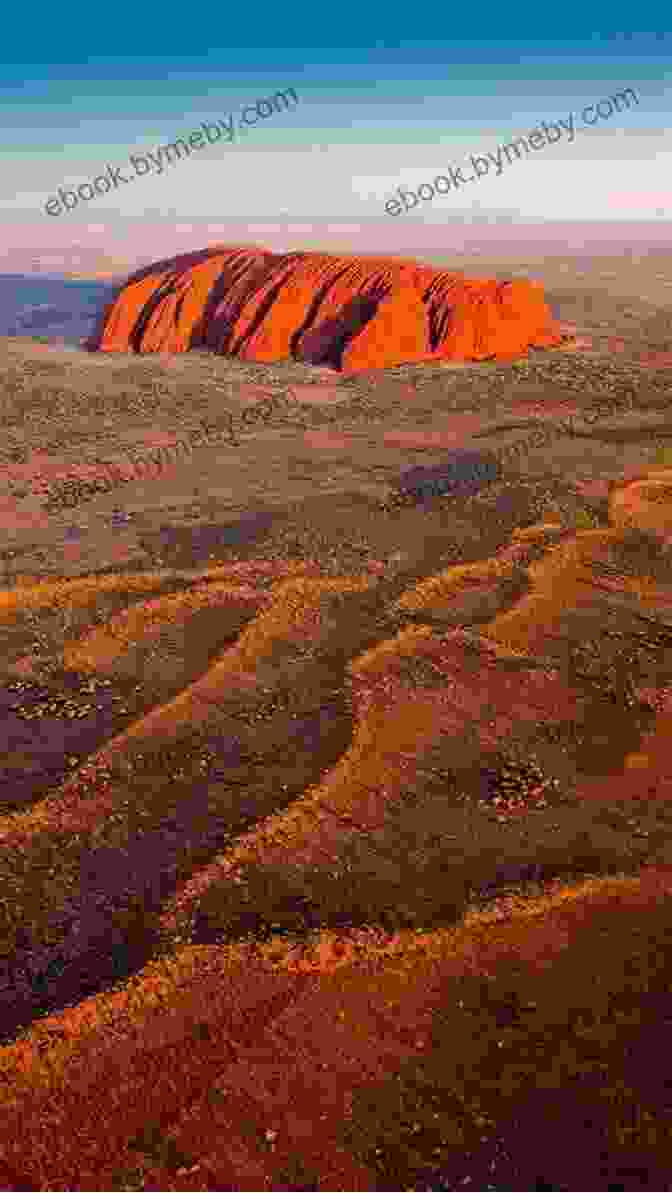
[{"x": 350, "y": 313}]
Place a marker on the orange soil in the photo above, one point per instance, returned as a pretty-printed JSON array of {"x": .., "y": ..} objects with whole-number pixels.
[
  {"x": 263, "y": 1080},
  {"x": 262, "y": 1068}
]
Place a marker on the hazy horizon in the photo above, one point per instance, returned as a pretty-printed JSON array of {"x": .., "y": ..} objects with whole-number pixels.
[
  {"x": 381, "y": 113},
  {"x": 468, "y": 241}
]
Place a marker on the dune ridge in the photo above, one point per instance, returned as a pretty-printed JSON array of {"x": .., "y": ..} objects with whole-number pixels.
[{"x": 249, "y": 1036}]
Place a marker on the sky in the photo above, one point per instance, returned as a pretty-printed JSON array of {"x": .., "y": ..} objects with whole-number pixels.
[{"x": 380, "y": 111}]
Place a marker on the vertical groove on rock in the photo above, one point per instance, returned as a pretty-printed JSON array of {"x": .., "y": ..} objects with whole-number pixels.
[{"x": 352, "y": 313}]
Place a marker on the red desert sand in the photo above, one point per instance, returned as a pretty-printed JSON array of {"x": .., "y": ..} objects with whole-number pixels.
[{"x": 321, "y": 881}]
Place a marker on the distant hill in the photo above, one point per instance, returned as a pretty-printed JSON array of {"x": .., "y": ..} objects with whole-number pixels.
[
  {"x": 118, "y": 275},
  {"x": 57, "y": 309}
]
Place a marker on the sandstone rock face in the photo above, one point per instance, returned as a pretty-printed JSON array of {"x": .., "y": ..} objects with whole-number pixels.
[{"x": 350, "y": 313}]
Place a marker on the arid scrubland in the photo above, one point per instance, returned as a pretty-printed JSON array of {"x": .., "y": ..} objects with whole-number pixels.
[{"x": 335, "y": 804}]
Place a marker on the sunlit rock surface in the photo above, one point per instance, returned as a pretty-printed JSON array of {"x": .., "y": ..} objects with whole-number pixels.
[{"x": 350, "y": 313}]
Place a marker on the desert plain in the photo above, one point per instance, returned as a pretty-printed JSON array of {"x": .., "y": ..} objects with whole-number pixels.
[{"x": 335, "y": 722}]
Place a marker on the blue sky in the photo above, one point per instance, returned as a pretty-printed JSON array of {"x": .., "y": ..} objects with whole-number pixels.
[{"x": 378, "y": 110}]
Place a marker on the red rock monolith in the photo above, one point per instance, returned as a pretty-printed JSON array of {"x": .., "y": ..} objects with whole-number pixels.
[{"x": 349, "y": 313}]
